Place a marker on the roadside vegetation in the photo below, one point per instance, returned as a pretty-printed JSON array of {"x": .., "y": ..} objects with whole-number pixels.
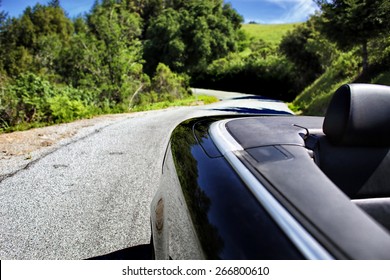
[
  {"x": 192, "y": 100},
  {"x": 131, "y": 55},
  {"x": 351, "y": 40},
  {"x": 269, "y": 33},
  {"x": 122, "y": 56}
]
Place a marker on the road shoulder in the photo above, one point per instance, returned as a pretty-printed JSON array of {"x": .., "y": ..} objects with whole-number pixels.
[{"x": 20, "y": 149}]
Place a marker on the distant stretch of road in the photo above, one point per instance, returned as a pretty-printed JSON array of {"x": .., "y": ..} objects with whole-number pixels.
[{"x": 92, "y": 197}]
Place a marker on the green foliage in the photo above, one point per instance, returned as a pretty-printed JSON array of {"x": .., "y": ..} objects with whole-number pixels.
[
  {"x": 32, "y": 94},
  {"x": 165, "y": 82},
  {"x": 269, "y": 33},
  {"x": 3, "y": 23},
  {"x": 382, "y": 79},
  {"x": 354, "y": 22},
  {"x": 303, "y": 46},
  {"x": 164, "y": 43},
  {"x": 269, "y": 75},
  {"x": 32, "y": 42},
  {"x": 204, "y": 99},
  {"x": 54, "y": 3},
  {"x": 350, "y": 24},
  {"x": 165, "y": 86},
  {"x": 30, "y": 100},
  {"x": 114, "y": 48},
  {"x": 66, "y": 106},
  {"x": 379, "y": 50},
  {"x": 105, "y": 54},
  {"x": 62, "y": 70},
  {"x": 315, "y": 98},
  {"x": 54, "y": 69},
  {"x": 7, "y": 103},
  {"x": 189, "y": 35},
  {"x": 187, "y": 101}
]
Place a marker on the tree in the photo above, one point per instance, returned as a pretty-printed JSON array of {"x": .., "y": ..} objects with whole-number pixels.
[
  {"x": 167, "y": 83},
  {"x": 33, "y": 41},
  {"x": 3, "y": 17},
  {"x": 189, "y": 35},
  {"x": 354, "y": 22},
  {"x": 3, "y": 24},
  {"x": 164, "y": 42},
  {"x": 112, "y": 50},
  {"x": 298, "y": 46},
  {"x": 54, "y": 4}
]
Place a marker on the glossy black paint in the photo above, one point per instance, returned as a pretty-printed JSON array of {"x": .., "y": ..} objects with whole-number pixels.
[{"x": 226, "y": 219}]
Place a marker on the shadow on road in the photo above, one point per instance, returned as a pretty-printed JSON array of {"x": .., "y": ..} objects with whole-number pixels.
[
  {"x": 140, "y": 252},
  {"x": 242, "y": 110},
  {"x": 256, "y": 97}
]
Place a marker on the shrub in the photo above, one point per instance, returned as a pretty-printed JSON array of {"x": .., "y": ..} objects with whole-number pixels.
[
  {"x": 168, "y": 84},
  {"x": 165, "y": 86},
  {"x": 270, "y": 77},
  {"x": 28, "y": 97},
  {"x": 69, "y": 104}
]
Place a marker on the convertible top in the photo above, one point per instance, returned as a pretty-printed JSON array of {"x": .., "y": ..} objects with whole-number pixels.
[{"x": 329, "y": 179}]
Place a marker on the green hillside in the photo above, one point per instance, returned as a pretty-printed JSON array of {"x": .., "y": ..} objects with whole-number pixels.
[
  {"x": 271, "y": 33},
  {"x": 315, "y": 99}
]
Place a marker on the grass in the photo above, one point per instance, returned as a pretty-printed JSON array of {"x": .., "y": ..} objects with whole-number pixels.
[
  {"x": 382, "y": 79},
  {"x": 192, "y": 100},
  {"x": 270, "y": 33},
  {"x": 315, "y": 99}
]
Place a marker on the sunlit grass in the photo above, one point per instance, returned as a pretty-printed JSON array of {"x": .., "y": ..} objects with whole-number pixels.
[
  {"x": 270, "y": 33},
  {"x": 192, "y": 100},
  {"x": 382, "y": 79}
]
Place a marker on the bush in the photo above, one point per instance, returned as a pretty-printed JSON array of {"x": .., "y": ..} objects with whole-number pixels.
[
  {"x": 30, "y": 100},
  {"x": 165, "y": 86},
  {"x": 168, "y": 84},
  {"x": 69, "y": 104},
  {"x": 27, "y": 98},
  {"x": 271, "y": 77},
  {"x": 6, "y": 104}
]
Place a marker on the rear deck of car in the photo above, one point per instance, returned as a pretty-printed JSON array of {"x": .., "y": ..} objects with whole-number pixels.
[{"x": 331, "y": 174}]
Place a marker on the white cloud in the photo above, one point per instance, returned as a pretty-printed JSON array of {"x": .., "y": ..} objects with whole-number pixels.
[
  {"x": 286, "y": 11},
  {"x": 295, "y": 10}
]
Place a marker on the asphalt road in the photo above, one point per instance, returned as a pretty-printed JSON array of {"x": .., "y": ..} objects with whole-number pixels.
[{"x": 92, "y": 196}]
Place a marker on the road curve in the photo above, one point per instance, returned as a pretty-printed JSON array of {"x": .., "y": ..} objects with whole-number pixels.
[{"x": 92, "y": 196}]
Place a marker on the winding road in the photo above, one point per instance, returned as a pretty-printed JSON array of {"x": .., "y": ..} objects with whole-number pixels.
[{"x": 91, "y": 197}]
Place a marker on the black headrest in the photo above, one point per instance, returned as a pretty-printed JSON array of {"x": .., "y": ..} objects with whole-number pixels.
[{"x": 359, "y": 115}]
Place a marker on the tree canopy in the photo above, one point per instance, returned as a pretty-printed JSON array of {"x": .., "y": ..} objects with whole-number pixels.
[
  {"x": 188, "y": 35},
  {"x": 297, "y": 46},
  {"x": 352, "y": 22}
]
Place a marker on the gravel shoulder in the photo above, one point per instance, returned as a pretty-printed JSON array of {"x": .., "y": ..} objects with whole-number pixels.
[{"x": 20, "y": 149}]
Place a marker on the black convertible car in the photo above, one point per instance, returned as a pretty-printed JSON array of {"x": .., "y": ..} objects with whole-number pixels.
[{"x": 279, "y": 186}]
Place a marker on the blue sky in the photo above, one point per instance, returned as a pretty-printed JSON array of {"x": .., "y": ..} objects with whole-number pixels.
[
  {"x": 274, "y": 11},
  {"x": 261, "y": 11}
]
